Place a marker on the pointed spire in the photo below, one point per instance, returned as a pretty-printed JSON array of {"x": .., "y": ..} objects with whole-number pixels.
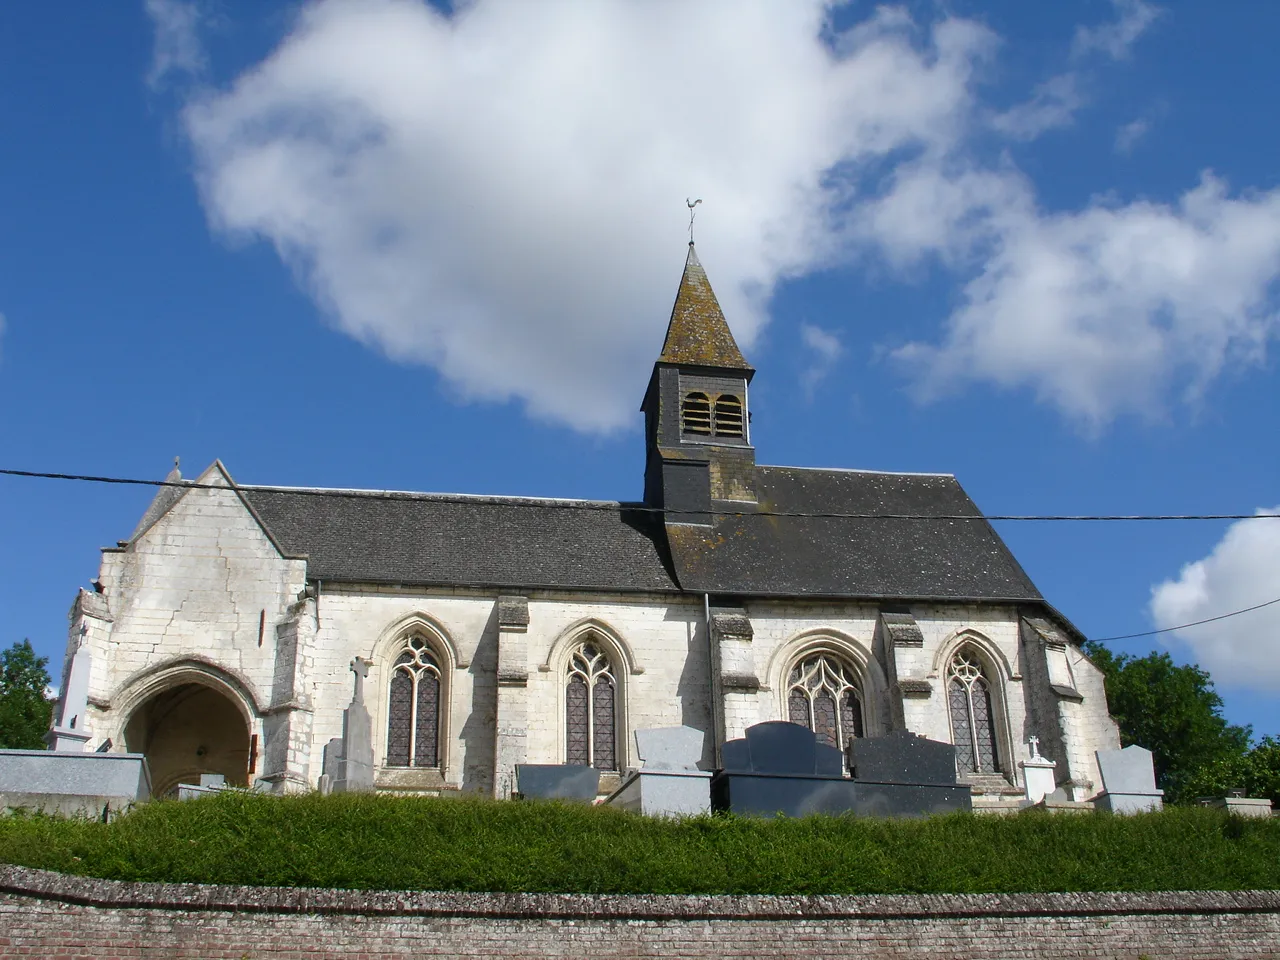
[{"x": 698, "y": 333}]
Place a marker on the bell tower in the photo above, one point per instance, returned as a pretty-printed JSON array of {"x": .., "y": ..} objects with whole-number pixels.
[{"x": 697, "y": 421}]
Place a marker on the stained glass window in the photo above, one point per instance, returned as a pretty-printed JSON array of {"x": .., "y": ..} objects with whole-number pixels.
[
  {"x": 973, "y": 722},
  {"x": 823, "y": 695},
  {"x": 413, "y": 709},
  {"x": 591, "y": 724}
]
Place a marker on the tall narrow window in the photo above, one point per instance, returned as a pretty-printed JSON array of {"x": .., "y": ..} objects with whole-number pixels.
[
  {"x": 695, "y": 415},
  {"x": 413, "y": 711},
  {"x": 591, "y": 714},
  {"x": 823, "y": 695},
  {"x": 973, "y": 722},
  {"x": 728, "y": 416}
]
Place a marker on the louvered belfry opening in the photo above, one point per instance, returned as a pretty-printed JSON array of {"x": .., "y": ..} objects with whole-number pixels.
[
  {"x": 728, "y": 416},
  {"x": 695, "y": 415},
  {"x": 703, "y": 416}
]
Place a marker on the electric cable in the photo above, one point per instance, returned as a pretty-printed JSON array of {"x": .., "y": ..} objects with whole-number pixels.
[{"x": 630, "y": 507}]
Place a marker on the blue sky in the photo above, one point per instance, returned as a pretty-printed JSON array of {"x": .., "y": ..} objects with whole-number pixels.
[{"x": 374, "y": 244}]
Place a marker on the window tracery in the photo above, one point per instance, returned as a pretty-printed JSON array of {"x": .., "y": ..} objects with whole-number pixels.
[
  {"x": 973, "y": 720},
  {"x": 823, "y": 694},
  {"x": 591, "y": 709},
  {"x": 413, "y": 710}
]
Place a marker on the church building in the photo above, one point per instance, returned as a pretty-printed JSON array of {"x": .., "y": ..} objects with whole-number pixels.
[{"x": 485, "y": 632}]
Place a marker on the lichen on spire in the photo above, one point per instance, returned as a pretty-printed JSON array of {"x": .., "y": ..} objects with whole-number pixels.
[{"x": 698, "y": 332}]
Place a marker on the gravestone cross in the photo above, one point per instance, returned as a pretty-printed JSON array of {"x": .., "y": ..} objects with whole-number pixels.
[{"x": 360, "y": 667}]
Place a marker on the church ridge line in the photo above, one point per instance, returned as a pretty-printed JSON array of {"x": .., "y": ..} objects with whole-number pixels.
[{"x": 635, "y": 506}]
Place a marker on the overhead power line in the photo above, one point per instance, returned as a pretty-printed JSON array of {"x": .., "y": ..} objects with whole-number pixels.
[
  {"x": 388, "y": 495},
  {"x": 1195, "y": 623},
  {"x": 637, "y": 508}
]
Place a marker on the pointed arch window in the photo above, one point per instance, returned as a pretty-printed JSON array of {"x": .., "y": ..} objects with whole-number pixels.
[
  {"x": 973, "y": 720},
  {"x": 591, "y": 709},
  {"x": 413, "y": 710},
  {"x": 823, "y": 694}
]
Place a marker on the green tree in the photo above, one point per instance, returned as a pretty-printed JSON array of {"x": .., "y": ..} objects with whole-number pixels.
[
  {"x": 24, "y": 709},
  {"x": 1174, "y": 712},
  {"x": 1257, "y": 773}
]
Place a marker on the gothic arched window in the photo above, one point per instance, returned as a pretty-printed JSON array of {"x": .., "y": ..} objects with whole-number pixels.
[
  {"x": 413, "y": 711},
  {"x": 823, "y": 695},
  {"x": 591, "y": 709},
  {"x": 695, "y": 414},
  {"x": 973, "y": 720}
]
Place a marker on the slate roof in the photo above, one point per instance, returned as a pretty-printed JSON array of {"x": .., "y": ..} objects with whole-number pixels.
[
  {"x": 531, "y": 543},
  {"x": 698, "y": 332},
  {"x": 762, "y": 555},
  {"x": 462, "y": 540}
]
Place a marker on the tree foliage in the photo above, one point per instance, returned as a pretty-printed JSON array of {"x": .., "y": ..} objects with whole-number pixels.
[
  {"x": 25, "y": 710},
  {"x": 1175, "y": 713},
  {"x": 1257, "y": 773}
]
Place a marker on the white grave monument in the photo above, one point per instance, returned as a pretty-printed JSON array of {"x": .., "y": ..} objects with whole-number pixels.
[
  {"x": 1038, "y": 773},
  {"x": 1128, "y": 781},
  {"x": 669, "y": 784}
]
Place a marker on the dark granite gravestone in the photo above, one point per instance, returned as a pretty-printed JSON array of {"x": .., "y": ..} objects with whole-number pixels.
[
  {"x": 782, "y": 768},
  {"x": 902, "y": 757},
  {"x": 557, "y": 781}
]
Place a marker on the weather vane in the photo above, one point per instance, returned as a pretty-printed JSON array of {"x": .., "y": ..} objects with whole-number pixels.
[{"x": 692, "y": 213}]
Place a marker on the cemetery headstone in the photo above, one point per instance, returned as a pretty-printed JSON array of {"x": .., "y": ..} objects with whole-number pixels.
[
  {"x": 557, "y": 781},
  {"x": 1038, "y": 777},
  {"x": 902, "y": 757},
  {"x": 349, "y": 760},
  {"x": 669, "y": 782},
  {"x": 782, "y": 768},
  {"x": 1128, "y": 781}
]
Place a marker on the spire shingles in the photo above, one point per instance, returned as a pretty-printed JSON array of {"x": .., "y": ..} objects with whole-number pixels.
[{"x": 698, "y": 333}]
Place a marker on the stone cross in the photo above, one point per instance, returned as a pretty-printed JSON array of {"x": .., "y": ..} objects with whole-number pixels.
[
  {"x": 360, "y": 667},
  {"x": 1034, "y": 744}
]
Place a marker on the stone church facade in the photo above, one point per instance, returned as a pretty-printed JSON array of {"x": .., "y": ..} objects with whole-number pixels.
[{"x": 219, "y": 637}]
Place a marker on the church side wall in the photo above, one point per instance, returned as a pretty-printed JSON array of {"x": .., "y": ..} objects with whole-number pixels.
[
  {"x": 656, "y": 645},
  {"x": 206, "y": 584}
]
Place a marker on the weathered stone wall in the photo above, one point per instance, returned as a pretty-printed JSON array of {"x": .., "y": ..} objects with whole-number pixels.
[
  {"x": 206, "y": 584},
  {"x": 50, "y": 915}
]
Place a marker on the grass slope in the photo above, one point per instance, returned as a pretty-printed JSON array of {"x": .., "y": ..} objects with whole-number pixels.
[{"x": 380, "y": 842}]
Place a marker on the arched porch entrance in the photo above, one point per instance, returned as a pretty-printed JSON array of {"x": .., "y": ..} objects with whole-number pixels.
[{"x": 188, "y": 729}]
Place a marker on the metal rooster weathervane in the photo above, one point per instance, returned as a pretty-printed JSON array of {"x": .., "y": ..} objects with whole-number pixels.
[{"x": 692, "y": 213}]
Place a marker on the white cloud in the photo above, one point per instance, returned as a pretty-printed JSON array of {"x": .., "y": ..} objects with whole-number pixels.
[
  {"x": 1116, "y": 39},
  {"x": 501, "y": 194},
  {"x": 1100, "y": 311},
  {"x": 826, "y": 349},
  {"x": 1054, "y": 104},
  {"x": 177, "y": 48},
  {"x": 1241, "y": 571},
  {"x": 1128, "y": 135}
]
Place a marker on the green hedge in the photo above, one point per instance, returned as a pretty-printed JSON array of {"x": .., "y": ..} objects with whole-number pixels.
[{"x": 381, "y": 842}]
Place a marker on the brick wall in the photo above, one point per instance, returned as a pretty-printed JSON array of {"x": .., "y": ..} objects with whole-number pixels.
[{"x": 50, "y": 915}]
